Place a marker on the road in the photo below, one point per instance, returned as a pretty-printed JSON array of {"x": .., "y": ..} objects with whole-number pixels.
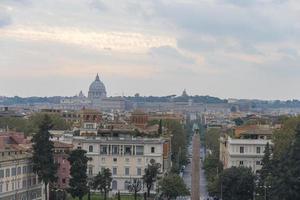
[{"x": 187, "y": 174}]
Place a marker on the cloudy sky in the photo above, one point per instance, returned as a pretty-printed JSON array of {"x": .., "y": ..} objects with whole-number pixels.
[{"x": 224, "y": 48}]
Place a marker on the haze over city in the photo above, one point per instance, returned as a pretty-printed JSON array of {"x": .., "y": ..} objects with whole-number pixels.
[{"x": 224, "y": 48}]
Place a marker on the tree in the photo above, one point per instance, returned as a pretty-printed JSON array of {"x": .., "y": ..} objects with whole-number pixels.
[
  {"x": 150, "y": 175},
  {"x": 266, "y": 163},
  {"x": 212, "y": 141},
  {"x": 285, "y": 181},
  {"x": 102, "y": 182},
  {"x": 135, "y": 186},
  {"x": 283, "y": 137},
  {"x": 179, "y": 142},
  {"x": 160, "y": 127},
  {"x": 43, "y": 161},
  {"x": 237, "y": 183},
  {"x": 238, "y": 121},
  {"x": 173, "y": 186},
  {"x": 78, "y": 185}
]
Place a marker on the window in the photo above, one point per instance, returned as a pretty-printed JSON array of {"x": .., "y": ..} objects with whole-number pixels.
[
  {"x": 1, "y": 188},
  {"x": 241, "y": 162},
  {"x": 139, "y": 161},
  {"x": 91, "y": 149},
  {"x": 115, "y": 149},
  {"x": 7, "y": 172},
  {"x": 19, "y": 170},
  {"x": 63, "y": 180},
  {"x": 152, "y": 149},
  {"x": 34, "y": 181},
  {"x": 258, "y": 162},
  {"x": 103, "y": 149},
  {"x": 7, "y": 187},
  {"x": 114, "y": 171},
  {"x": 126, "y": 171},
  {"x": 1, "y": 173},
  {"x": 139, "y": 171},
  {"x": 29, "y": 182},
  {"x": 24, "y": 183},
  {"x": 90, "y": 170},
  {"x": 139, "y": 150},
  {"x": 127, "y": 150},
  {"x": 241, "y": 149},
  {"x": 13, "y": 185},
  {"x": 126, "y": 185},
  {"x": 258, "y": 150},
  {"x": 114, "y": 185},
  {"x": 24, "y": 169},
  {"x": 115, "y": 159},
  {"x": 13, "y": 171},
  {"x": 89, "y": 126}
]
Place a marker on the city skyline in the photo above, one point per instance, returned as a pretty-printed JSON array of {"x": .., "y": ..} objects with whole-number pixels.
[{"x": 223, "y": 48}]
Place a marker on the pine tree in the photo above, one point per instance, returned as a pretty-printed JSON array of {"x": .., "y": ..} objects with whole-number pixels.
[
  {"x": 266, "y": 164},
  {"x": 160, "y": 127},
  {"x": 102, "y": 182},
  {"x": 294, "y": 166},
  {"x": 78, "y": 186},
  {"x": 43, "y": 161}
]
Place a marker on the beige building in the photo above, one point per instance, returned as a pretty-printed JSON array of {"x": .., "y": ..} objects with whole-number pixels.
[
  {"x": 17, "y": 180},
  {"x": 125, "y": 155}
]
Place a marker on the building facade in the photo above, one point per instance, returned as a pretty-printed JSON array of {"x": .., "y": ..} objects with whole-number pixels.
[
  {"x": 242, "y": 152},
  {"x": 17, "y": 180},
  {"x": 126, "y": 156}
]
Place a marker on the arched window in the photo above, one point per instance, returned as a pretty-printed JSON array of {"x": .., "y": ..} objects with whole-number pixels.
[
  {"x": 91, "y": 149},
  {"x": 114, "y": 185}
]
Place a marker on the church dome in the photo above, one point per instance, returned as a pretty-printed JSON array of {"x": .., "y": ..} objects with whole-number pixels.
[{"x": 97, "y": 89}]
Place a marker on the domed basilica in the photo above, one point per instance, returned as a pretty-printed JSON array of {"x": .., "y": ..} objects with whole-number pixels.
[{"x": 97, "y": 89}]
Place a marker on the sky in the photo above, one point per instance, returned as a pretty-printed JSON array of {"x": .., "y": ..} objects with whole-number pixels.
[{"x": 224, "y": 48}]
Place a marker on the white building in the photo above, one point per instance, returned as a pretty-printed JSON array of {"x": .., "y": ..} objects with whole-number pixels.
[
  {"x": 242, "y": 152},
  {"x": 17, "y": 180},
  {"x": 125, "y": 155}
]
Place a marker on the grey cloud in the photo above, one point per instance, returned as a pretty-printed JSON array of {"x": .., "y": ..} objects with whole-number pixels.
[
  {"x": 98, "y": 4},
  {"x": 289, "y": 52},
  {"x": 248, "y": 3},
  {"x": 170, "y": 54},
  {"x": 249, "y": 25}
]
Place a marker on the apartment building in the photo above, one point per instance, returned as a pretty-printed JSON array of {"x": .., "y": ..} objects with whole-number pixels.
[
  {"x": 125, "y": 155},
  {"x": 242, "y": 152},
  {"x": 17, "y": 180}
]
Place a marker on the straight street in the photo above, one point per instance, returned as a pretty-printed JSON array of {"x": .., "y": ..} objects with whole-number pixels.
[{"x": 187, "y": 174}]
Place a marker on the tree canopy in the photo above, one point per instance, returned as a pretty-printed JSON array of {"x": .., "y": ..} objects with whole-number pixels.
[
  {"x": 31, "y": 125},
  {"x": 173, "y": 186},
  {"x": 237, "y": 183}
]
